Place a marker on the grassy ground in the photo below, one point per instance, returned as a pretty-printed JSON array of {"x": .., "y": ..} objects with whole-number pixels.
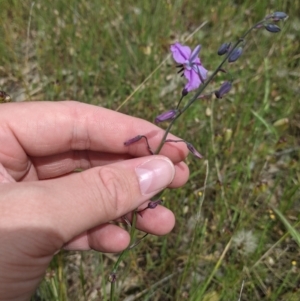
[{"x": 238, "y": 216}]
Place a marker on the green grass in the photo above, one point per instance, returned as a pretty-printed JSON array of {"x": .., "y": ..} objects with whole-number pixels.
[{"x": 99, "y": 52}]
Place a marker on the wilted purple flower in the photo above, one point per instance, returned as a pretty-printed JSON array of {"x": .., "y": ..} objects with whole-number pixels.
[
  {"x": 235, "y": 55},
  {"x": 133, "y": 140},
  {"x": 192, "y": 149},
  {"x": 272, "y": 28},
  {"x": 224, "y": 89},
  {"x": 193, "y": 70},
  {"x": 169, "y": 115},
  {"x": 136, "y": 139},
  {"x": 151, "y": 205},
  {"x": 224, "y": 48},
  {"x": 154, "y": 204},
  {"x": 189, "y": 146}
]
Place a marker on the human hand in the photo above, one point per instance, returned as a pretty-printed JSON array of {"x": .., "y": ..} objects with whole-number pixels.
[{"x": 46, "y": 206}]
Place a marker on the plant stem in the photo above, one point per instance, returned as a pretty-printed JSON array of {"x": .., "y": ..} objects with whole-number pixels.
[
  {"x": 121, "y": 257},
  {"x": 163, "y": 140}
]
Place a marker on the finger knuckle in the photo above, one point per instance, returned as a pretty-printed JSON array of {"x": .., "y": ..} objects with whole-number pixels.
[{"x": 114, "y": 189}]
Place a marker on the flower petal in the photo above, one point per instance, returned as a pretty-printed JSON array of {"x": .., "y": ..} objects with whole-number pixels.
[
  {"x": 196, "y": 61},
  {"x": 195, "y": 53},
  {"x": 180, "y": 53},
  {"x": 201, "y": 71},
  {"x": 193, "y": 80}
]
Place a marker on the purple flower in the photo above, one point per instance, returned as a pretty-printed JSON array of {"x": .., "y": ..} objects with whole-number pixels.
[
  {"x": 151, "y": 205},
  {"x": 133, "y": 140},
  {"x": 136, "y": 139},
  {"x": 191, "y": 65},
  {"x": 169, "y": 115},
  {"x": 154, "y": 204},
  {"x": 192, "y": 149}
]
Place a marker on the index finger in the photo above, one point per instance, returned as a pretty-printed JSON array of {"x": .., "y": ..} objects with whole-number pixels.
[{"x": 49, "y": 128}]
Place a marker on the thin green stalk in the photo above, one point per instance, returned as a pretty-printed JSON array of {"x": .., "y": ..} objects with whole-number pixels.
[
  {"x": 199, "y": 292},
  {"x": 181, "y": 98},
  {"x": 212, "y": 130},
  {"x": 198, "y": 229},
  {"x": 121, "y": 257}
]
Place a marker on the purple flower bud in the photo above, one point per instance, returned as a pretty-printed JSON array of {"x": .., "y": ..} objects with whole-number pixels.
[
  {"x": 184, "y": 92},
  {"x": 279, "y": 15},
  {"x": 224, "y": 89},
  {"x": 169, "y": 115},
  {"x": 224, "y": 48},
  {"x": 272, "y": 28},
  {"x": 153, "y": 204},
  {"x": 193, "y": 150},
  {"x": 133, "y": 140},
  {"x": 235, "y": 55}
]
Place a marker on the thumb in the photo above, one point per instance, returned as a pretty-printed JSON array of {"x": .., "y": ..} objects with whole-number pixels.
[
  {"x": 84, "y": 200},
  {"x": 5, "y": 177}
]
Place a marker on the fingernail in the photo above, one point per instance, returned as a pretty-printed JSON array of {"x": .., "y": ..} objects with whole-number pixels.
[{"x": 154, "y": 175}]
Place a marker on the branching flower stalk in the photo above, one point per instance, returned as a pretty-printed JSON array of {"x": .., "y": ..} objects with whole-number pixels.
[
  {"x": 196, "y": 74},
  {"x": 218, "y": 69}
]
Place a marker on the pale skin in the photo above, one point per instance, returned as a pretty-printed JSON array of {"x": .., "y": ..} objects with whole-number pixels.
[{"x": 46, "y": 206}]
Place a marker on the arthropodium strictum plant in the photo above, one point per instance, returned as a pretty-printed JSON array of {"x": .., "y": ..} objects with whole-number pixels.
[{"x": 197, "y": 79}]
